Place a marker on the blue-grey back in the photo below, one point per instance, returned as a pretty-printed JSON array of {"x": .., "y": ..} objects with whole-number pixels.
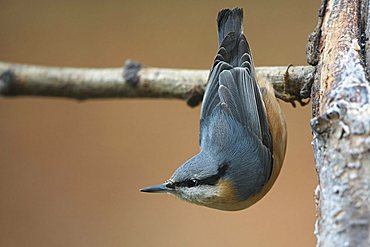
[{"x": 226, "y": 141}]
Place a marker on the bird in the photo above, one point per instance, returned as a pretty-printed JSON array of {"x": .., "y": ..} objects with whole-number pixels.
[{"x": 242, "y": 130}]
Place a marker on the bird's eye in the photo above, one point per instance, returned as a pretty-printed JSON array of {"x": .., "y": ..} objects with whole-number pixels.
[{"x": 191, "y": 182}]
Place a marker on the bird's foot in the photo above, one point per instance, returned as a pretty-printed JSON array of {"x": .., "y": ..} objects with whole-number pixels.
[{"x": 292, "y": 98}]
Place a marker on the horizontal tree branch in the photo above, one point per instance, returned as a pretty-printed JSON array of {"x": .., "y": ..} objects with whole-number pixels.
[{"x": 135, "y": 81}]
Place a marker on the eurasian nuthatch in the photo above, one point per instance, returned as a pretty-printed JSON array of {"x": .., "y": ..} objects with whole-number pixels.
[{"x": 242, "y": 130}]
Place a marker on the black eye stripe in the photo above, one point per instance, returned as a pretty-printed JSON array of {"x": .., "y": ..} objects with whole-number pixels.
[
  {"x": 170, "y": 185},
  {"x": 211, "y": 180},
  {"x": 187, "y": 183}
]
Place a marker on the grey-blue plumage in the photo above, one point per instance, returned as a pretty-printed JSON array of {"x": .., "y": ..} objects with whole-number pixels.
[
  {"x": 236, "y": 158},
  {"x": 234, "y": 128}
]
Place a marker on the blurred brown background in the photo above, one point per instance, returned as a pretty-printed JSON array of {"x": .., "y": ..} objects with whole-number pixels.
[{"x": 70, "y": 172}]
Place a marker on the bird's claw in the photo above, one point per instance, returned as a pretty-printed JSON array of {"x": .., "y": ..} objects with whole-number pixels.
[
  {"x": 287, "y": 96},
  {"x": 292, "y": 99}
]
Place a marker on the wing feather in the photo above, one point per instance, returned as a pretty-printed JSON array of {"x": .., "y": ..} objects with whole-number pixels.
[{"x": 232, "y": 82}]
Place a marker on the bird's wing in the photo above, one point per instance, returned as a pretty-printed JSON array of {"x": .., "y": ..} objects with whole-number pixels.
[
  {"x": 211, "y": 98},
  {"x": 235, "y": 88}
]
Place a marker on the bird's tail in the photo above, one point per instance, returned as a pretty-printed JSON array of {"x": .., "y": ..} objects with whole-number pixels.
[
  {"x": 229, "y": 21},
  {"x": 233, "y": 46}
]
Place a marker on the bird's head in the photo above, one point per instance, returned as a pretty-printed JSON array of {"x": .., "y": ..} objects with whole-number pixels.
[{"x": 202, "y": 181}]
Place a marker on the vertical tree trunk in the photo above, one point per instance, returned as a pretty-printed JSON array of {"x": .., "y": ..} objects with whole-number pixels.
[{"x": 341, "y": 124}]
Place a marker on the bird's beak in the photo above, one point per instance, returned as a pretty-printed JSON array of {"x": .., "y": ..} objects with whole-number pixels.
[{"x": 159, "y": 188}]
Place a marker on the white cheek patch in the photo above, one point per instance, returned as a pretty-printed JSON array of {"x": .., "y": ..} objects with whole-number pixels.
[{"x": 198, "y": 194}]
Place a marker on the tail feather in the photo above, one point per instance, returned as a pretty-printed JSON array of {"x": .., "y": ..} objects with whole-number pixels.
[
  {"x": 231, "y": 37},
  {"x": 229, "y": 21}
]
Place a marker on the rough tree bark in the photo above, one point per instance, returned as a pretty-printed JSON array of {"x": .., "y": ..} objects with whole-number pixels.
[{"x": 341, "y": 123}]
